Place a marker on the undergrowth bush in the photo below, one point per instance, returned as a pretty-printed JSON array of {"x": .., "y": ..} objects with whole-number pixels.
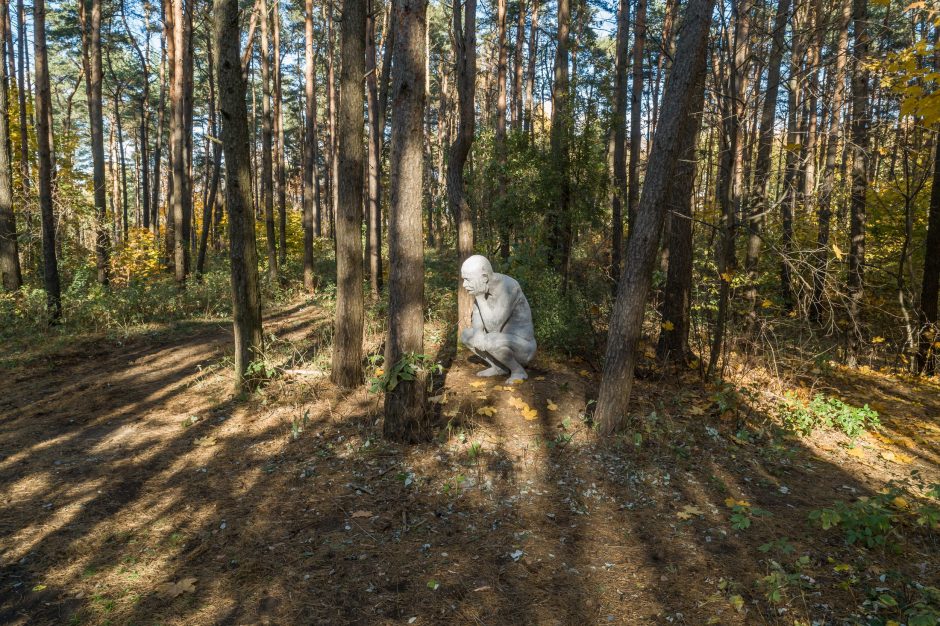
[{"x": 824, "y": 411}]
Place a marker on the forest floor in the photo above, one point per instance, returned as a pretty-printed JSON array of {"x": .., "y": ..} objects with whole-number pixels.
[{"x": 135, "y": 489}]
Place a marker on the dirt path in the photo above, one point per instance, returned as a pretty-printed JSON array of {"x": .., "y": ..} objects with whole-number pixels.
[{"x": 135, "y": 489}]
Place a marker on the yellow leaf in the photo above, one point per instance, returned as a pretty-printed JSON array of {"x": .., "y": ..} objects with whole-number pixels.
[
  {"x": 205, "y": 442},
  {"x": 900, "y": 502},
  {"x": 737, "y": 602},
  {"x": 896, "y": 457},
  {"x": 552, "y": 406},
  {"x": 667, "y": 326},
  {"x": 891, "y": 622},
  {"x": 878, "y": 339},
  {"x": 688, "y": 511},
  {"x": 843, "y": 567},
  {"x": 539, "y": 378},
  {"x": 856, "y": 452},
  {"x": 530, "y": 414},
  {"x": 838, "y": 251},
  {"x": 585, "y": 373},
  {"x": 727, "y": 276},
  {"x": 488, "y": 411},
  {"x": 172, "y": 590},
  {"x": 766, "y": 304},
  {"x": 379, "y": 372},
  {"x": 731, "y": 503},
  {"x": 793, "y": 147},
  {"x": 477, "y": 383},
  {"x": 792, "y": 313}
]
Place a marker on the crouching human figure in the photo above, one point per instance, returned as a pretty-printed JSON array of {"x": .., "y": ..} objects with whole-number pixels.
[{"x": 501, "y": 330}]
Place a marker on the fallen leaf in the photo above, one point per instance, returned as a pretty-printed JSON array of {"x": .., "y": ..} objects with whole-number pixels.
[
  {"x": 900, "y": 502},
  {"x": 766, "y": 304},
  {"x": 731, "y": 503},
  {"x": 488, "y": 411},
  {"x": 379, "y": 372},
  {"x": 667, "y": 326},
  {"x": 838, "y": 251},
  {"x": 585, "y": 373},
  {"x": 856, "y": 452},
  {"x": 173, "y": 590},
  {"x": 688, "y": 511},
  {"x": 478, "y": 383},
  {"x": 896, "y": 457},
  {"x": 727, "y": 276},
  {"x": 539, "y": 378},
  {"x": 483, "y": 588},
  {"x": 530, "y": 414},
  {"x": 439, "y": 399},
  {"x": 878, "y": 339},
  {"x": 552, "y": 406},
  {"x": 205, "y": 442},
  {"x": 737, "y": 602},
  {"x": 361, "y": 514}
]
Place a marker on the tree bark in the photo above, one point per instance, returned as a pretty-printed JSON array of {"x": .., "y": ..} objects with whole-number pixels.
[
  {"x": 246, "y": 295},
  {"x": 279, "y": 169},
  {"x": 559, "y": 217},
  {"x": 465, "y": 37},
  {"x": 618, "y": 139},
  {"x": 500, "y": 140},
  {"x": 627, "y": 316},
  {"x": 530, "y": 72},
  {"x": 21, "y": 92},
  {"x": 860, "y": 163},
  {"x": 405, "y": 416},
  {"x": 267, "y": 139},
  {"x": 639, "y": 42},
  {"x": 10, "y": 272},
  {"x": 180, "y": 183},
  {"x": 311, "y": 184},
  {"x": 216, "y": 164},
  {"x": 43, "y": 115},
  {"x": 347, "y": 337},
  {"x": 517, "y": 68},
  {"x": 374, "y": 208},
  {"x": 930, "y": 283}
]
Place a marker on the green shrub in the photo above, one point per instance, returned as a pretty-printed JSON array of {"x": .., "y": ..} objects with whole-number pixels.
[{"x": 824, "y": 411}]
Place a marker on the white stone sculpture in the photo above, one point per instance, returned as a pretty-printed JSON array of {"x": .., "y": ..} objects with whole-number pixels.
[{"x": 501, "y": 332}]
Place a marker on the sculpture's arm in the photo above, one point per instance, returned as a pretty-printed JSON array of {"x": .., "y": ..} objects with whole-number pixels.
[
  {"x": 476, "y": 322},
  {"x": 503, "y": 308}
]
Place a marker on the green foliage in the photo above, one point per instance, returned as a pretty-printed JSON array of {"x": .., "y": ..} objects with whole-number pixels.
[
  {"x": 780, "y": 579},
  {"x": 406, "y": 369},
  {"x": 906, "y": 601},
  {"x": 828, "y": 412},
  {"x": 869, "y": 521}
]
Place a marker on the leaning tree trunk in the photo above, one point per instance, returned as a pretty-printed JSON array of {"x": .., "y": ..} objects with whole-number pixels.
[
  {"x": 627, "y": 316},
  {"x": 10, "y": 273},
  {"x": 43, "y": 114},
  {"x": 405, "y": 416},
  {"x": 246, "y": 294},
  {"x": 347, "y": 336},
  {"x": 860, "y": 162},
  {"x": 465, "y": 38},
  {"x": 311, "y": 183}
]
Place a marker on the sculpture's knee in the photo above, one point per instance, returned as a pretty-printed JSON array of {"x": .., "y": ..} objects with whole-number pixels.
[
  {"x": 492, "y": 343},
  {"x": 466, "y": 336}
]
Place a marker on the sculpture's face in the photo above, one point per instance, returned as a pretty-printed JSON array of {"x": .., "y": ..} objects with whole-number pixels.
[{"x": 475, "y": 281}]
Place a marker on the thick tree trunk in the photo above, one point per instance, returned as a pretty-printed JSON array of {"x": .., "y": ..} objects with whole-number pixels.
[
  {"x": 930, "y": 283},
  {"x": 43, "y": 114},
  {"x": 180, "y": 182},
  {"x": 758, "y": 205},
  {"x": 639, "y": 42},
  {"x": 267, "y": 140},
  {"x": 91, "y": 44},
  {"x": 618, "y": 139},
  {"x": 311, "y": 184},
  {"x": 331, "y": 90},
  {"x": 465, "y": 37},
  {"x": 10, "y": 274},
  {"x": 627, "y": 316},
  {"x": 673, "y": 346},
  {"x": 246, "y": 295},
  {"x": 860, "y": 163},
  {"x": 824, "y": 205},
  {"x": 405, "y": 416},
  {"x": 348, "y": 327}
]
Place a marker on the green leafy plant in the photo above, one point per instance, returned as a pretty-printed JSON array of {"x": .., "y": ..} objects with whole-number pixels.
[
  {"x": 824, "y": 411},
  {"x": 869, "y": 521},
  {"x": 406, "y": 369}
]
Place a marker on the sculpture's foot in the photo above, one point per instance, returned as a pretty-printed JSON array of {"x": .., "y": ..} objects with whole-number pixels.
[
  {"x": 491, "y": 371},
  {"x": 517, "y": 376}
]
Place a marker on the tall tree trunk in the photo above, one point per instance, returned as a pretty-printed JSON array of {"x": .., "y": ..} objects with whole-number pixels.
[
  {"x": 21, "y": 92},
  {"x": 246, "y": 295},
  {"x": 465, "y": 38},
  {"x": 758, "y": 205},
  {"x": 639, "y": 42},
  {"x": 311, "y": 184},
  {"x": 267, "y": 139},
  {"x": 374, "y": 208},
  {"x": 180, "y": 219},
  {"x": 43, "y": 114},
  {"x": 618, "y": 139},
  {"x": 279, "y": 152},
  {"x": 158, "y": 143},
  {"x": 121, "y": 161},
  {"x": 673, "y": 346},
  {"x": 560, "y": 221},
  {"x": 824, "y": 205},
  {"x": 10, "y": 273},
  {"x": 930, "y": 283},
  {"x": 517, "y": 68},
  {"x": 500, "y": 143},
  {"x": 627, "y": 316},
  {"x": 731, "y": 179},
  {"x": 331, "y": 90},
  {"x": 347, "y": 336},
  {"x": 405, "y": 417},
  {"x": 144, "y": 108},
  {"x": 860, "y": 163},
  {"x": 216, "y": 164},
  {"x": 530, "y": 72}
]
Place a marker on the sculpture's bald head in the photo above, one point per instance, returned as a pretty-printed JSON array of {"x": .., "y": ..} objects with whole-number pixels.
[{"x": 476, "y": 272}]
